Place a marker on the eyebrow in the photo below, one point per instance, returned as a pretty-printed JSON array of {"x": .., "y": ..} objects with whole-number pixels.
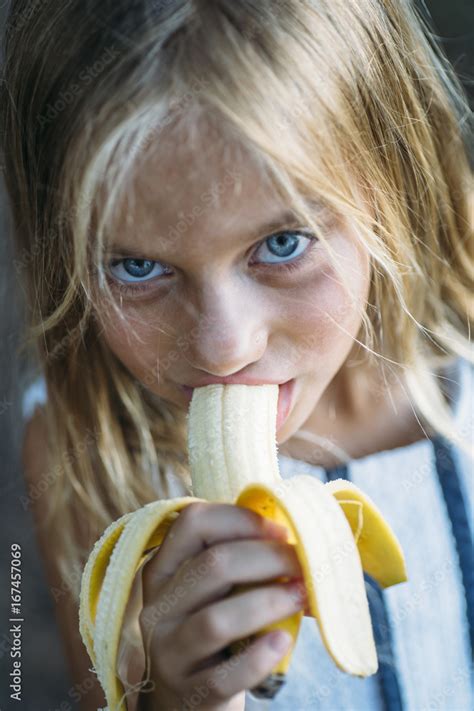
[{"x": 285, "y": 219}]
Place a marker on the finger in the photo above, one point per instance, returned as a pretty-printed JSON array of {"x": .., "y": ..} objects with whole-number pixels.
[
  {"x": 210, "y": 575},
  {"x": 199, "y": 526},
  {"x": 243, "y": 670},
  {"x": 234, "y": 618}
]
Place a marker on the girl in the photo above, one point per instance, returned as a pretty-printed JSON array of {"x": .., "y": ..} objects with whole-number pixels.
[{"x": 213, "y": 191}]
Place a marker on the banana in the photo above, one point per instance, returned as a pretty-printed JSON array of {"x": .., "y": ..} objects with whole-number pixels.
[
  {"x": 232, "y": 442},
  {"x": 232, "y": 439},
  {"x": 338, "y": 532},
  {"x": 380, "y": 552},
  {"x": 92, "y": 579}
]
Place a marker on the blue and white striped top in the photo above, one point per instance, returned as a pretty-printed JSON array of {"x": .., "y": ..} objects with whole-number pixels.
[{"x": 423, "y": 628}]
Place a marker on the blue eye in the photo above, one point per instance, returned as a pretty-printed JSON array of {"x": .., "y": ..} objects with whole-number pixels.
[
  {"x": 132, "y": 271},
  {"x": 287, "y": 244}
]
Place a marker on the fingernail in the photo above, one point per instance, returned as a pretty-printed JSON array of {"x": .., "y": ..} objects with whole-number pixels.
[{"x": 279, "y": 640}]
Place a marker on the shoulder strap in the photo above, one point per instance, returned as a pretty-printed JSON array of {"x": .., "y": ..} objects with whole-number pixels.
[{"x": 457, "y": 511}]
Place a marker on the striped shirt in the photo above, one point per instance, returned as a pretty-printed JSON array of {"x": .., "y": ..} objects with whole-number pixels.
[{"x": 423, "y": 628}]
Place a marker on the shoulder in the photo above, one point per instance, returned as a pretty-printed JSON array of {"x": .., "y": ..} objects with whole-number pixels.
[
  {"x": 35, "y": 468},
  {"x": 34, "y": 461},
  {"x": 459, "y": 379},
  {"x": 465, "y": 389},
  {"x": 35, "y": 465},
  {"x": 40, "y": 477},
  {"x": 33, "y": 451}
]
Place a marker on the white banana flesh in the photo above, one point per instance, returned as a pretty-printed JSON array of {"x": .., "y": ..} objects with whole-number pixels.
[{"x": 231, "y": 439}]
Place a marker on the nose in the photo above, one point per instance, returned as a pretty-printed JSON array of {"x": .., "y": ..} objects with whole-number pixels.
[{"x": 230, "y": 334}]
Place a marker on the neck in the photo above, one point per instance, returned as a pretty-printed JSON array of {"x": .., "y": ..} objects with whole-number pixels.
[{"x": 362, "y": 411}]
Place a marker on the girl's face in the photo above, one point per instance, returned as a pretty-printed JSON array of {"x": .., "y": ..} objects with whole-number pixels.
[{"x": 215, "y": 278}]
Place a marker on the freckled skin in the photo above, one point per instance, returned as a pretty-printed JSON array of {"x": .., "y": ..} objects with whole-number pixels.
[{"x": 217, "y": 314}]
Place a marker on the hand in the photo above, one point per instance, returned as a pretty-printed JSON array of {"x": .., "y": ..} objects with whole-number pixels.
[{"x": 188, "y": 618}]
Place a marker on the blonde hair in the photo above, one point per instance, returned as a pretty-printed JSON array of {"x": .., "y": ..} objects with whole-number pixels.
[{"x": 352, "y": 103}]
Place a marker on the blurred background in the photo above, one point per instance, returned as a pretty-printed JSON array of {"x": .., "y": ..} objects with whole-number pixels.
[{"x": 46, "y": 684}]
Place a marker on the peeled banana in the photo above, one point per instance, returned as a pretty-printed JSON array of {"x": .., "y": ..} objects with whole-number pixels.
[{"x": 337, "y": 531}]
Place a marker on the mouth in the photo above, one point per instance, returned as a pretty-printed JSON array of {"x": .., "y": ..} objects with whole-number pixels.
[
  {"x": 188, "y": 392},
  {"x": 285, "y": 399}
]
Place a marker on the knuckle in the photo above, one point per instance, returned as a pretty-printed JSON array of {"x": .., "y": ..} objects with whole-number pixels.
[
  {"x": 252, "y": 518},
  {"x": 212, "y": 626},
  {"x": 275, "y": 597},
  {"x": 190, "y": 516},
  {"x": 217, "y": 560},
  {"x": 209, "y": 562}
]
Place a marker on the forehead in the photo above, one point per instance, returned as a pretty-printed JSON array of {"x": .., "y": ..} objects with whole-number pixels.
[{"x": 195, "y": 181}]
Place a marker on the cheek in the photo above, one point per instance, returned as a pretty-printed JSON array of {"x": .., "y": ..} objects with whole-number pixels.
[
  {"x": 135, "y": 340},
  {"x": 326, "y": 318}
]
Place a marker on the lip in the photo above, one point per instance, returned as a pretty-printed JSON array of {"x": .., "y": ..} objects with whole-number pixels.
[
  {"x": 233, "y": 380},
  {"x": 285, "y": 392}
]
